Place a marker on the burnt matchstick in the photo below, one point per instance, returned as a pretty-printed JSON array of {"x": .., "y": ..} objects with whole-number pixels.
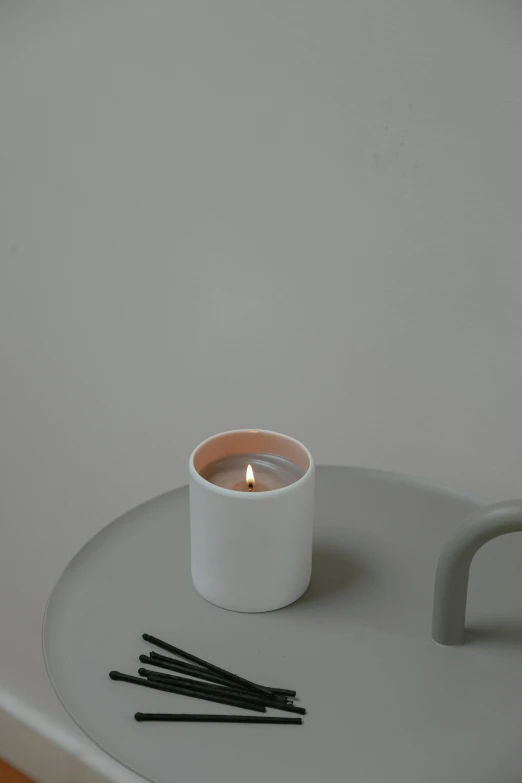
[
  {"x": 201, "y": 674},
  {"x": 189, "y": 657},
  {"x": 234, "y": 693},
  {"x": 200, "y": 670},
  {"x": 168, "y": 717},
  {"x": 196, "y": 694}
]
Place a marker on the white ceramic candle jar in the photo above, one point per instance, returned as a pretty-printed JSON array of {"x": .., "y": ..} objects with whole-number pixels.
[{"x": 251, "y": 519}]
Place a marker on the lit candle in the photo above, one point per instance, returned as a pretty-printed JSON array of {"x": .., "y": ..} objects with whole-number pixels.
[
  {"x": 250, "y": 478},
  {"x": 251, "y": 519},
  {"x": 252, "y": 472}
]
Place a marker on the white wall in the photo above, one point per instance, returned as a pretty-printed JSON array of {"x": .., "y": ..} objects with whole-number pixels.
[{"x": 290, "y": 214}]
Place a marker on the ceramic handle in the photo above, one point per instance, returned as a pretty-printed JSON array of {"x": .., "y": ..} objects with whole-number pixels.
[{"x": 451, "y": 580}]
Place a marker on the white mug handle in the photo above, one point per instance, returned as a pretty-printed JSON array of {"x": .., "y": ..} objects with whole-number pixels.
[{"x": 452, "y": 576}]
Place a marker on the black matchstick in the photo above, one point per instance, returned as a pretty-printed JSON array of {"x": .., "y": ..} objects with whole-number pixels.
[
  {"x": 284, "y": 692},
  {"x": 196, "y": 694},
  {"x": 225, "y": 689},
  {"x": 168, "y": 659},
  {"x": 189, "y": 657},
  {"x": 167, "y": 717},
  {"x": 199, "y": 671},
  {"x": 185, "y": 668},
  {"x": 220, "y": 690},
  {"x": 201, "y": 674},
  {"x": 222, "y": 687}
]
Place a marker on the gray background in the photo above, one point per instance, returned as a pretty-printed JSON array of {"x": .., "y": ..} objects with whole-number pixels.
[{"x": 295, "y": 215}]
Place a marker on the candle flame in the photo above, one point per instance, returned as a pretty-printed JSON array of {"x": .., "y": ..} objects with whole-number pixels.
[{"x": 250, "y": 480}]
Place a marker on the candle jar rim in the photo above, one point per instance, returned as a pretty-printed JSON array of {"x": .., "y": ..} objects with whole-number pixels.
[{"x": 246, "y": 441}]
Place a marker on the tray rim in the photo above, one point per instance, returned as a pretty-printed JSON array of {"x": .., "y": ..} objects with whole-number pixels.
[{"x": 384, "y": 475}]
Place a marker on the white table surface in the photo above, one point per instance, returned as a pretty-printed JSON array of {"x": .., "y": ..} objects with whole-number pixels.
[{"x": 384, "y": 702}]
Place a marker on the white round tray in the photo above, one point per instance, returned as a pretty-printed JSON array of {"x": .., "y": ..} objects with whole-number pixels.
[{"x": 384, "y": 702}]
